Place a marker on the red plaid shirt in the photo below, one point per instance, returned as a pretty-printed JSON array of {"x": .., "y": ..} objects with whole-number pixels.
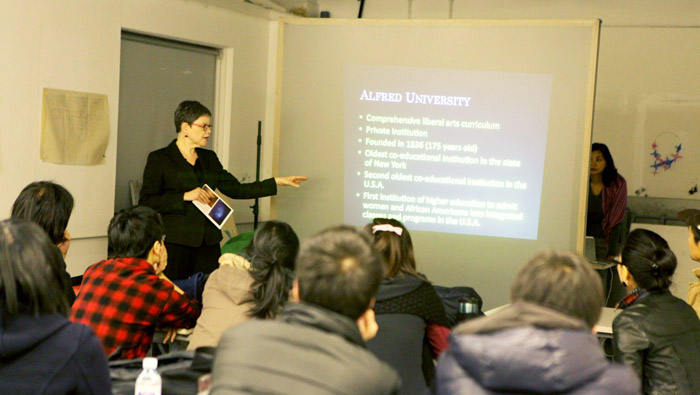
[{"x": 124, "y": 301}]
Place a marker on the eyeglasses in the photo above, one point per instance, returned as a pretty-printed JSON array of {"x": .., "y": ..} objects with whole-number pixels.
[
  {"x": 162, "y": 239},
  {"x": 203, "y": 126}
]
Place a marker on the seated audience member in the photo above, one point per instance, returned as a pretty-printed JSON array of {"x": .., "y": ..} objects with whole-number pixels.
[
  {"x": 409, "y": 312},
  {"x": 124, "y": 299},
  {"x": 254, "y": 284},
  {"x": 42, "y": 351},
  {"x": 49, "y": 205},
  {"x": 657, "y": 334},
  {"x": 692, "y": 218},
  {"x": 316, "y": 344},
  {"x": 542, "y": 342}
]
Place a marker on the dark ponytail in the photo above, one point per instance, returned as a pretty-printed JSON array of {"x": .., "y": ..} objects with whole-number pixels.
[
  {"x": 272, "y": 255},
  {"x": 649, "y": 259}
]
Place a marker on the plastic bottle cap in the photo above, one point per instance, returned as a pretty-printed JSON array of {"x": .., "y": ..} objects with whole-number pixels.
[{"x": 150, "y": 363}]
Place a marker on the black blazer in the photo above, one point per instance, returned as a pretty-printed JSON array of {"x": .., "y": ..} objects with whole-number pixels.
[{"x": 168, "y": 176}]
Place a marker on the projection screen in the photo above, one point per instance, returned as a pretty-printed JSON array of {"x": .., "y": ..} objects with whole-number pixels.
[{"x": 474, "y": 133}]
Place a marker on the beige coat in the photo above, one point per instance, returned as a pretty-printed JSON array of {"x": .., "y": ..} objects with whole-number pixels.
[
  {"x": 226, "y": 287},
  {"x": 694, "y": 292}
]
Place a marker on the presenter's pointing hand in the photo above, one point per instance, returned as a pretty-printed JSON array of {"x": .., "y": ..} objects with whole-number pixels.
[
  {"x": 291, "y": 181},
  {"x": 200, "y": 194}
]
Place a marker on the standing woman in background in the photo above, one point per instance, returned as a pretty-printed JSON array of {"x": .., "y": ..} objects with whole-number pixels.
[
  {"x": 657, "y": 334},
  {"x": 607, "y": 202},
  {"x": 174, "y": 177}
]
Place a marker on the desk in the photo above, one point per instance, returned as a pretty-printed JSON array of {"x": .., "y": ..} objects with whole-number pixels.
[{"x": 603, "y": 330}]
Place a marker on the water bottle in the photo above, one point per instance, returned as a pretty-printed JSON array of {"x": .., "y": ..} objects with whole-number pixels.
[
  {"x": 148, "y": 382},
  {"x": 468, "y": 308}
]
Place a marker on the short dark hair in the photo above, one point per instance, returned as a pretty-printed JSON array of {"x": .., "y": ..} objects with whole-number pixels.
[
  {"x": 272, "y": 254},
  {"x": 649, "y": 259},
  {"x": 30, "y": 271},
  {"x": 610, "y": 171},
  {"x": 339, "y": 270},
  {"x": 47, "y": 204},
  {"x": 133, "y": 231},
  {"x": 188, "y": 111},
  {"x": 396, "y": 249},
  {"x": 562, "y": 281}
]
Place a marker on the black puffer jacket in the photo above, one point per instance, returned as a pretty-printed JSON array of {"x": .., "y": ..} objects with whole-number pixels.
[{"x": 659, "y": 337}]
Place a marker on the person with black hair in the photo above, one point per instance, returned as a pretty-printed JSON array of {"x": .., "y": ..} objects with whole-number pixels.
[
  {"x": 254, "y": 284},
  {"x": 691, "y": 217},
  {"x": 125, "y": 298},
  {"x": 48, "y": 205},
  {"x": 607, "y": 202},
  {"x": 657, "y": 334},
  {"x": 174, "y": 176},
  {"x": 42, "y": 351},
  {"x": 542, "y": 343},
  {"x": 413, "y": 326},
  {"x": 316, "y": 344}
]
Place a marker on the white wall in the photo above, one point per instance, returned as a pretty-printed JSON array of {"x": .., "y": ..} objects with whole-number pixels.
[
  {"x": 72, "y": 45},
  {"x": 75, "y": 45},
  {"x": 642, "y": 12}
]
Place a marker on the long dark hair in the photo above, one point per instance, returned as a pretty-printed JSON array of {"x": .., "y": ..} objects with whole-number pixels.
[
  {"x": 48, "y": 205},
  {"x": 649, "y": 259},
  {"x": 30, "y": 271},
  {"x": 397, "y": 250},
  {"x": 272, "y": 255},
  {"x": 610, "y": 171}
]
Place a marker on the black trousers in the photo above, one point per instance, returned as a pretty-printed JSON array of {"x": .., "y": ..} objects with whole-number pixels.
[
  {"x": 612, "y": 287},
  {"x": 184, "y": 261}
]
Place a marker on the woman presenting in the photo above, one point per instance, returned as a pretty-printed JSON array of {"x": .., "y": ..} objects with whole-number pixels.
[{"x": 174, "y": 177}]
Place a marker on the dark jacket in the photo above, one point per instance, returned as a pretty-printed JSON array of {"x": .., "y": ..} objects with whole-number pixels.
[
  {"x": 404, "y": 306},
  {"x": 168, "y": 176},
  {"x": 51, "y": 355},
  {"x": 67, "y": 283},
  {"x": 526, "y": 348},
  {"x": 306, "y": 350},
  {"x": 659, "y": 337}
]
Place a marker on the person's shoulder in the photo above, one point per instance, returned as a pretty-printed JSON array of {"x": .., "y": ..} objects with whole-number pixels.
[
  {"x": 616, "y": 379},
  {"x": 619, "y": 180},
  {"x": 632, "y": 317}
]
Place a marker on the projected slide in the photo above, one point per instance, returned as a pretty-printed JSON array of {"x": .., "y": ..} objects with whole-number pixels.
[{"x": 446, "y": 150}]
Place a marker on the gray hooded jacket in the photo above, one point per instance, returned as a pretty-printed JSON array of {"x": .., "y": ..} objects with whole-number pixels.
[{"x": 527, "y": 348}]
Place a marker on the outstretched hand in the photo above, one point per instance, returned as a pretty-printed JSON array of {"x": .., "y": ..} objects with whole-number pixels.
[{"x": 290, "y": 181}]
